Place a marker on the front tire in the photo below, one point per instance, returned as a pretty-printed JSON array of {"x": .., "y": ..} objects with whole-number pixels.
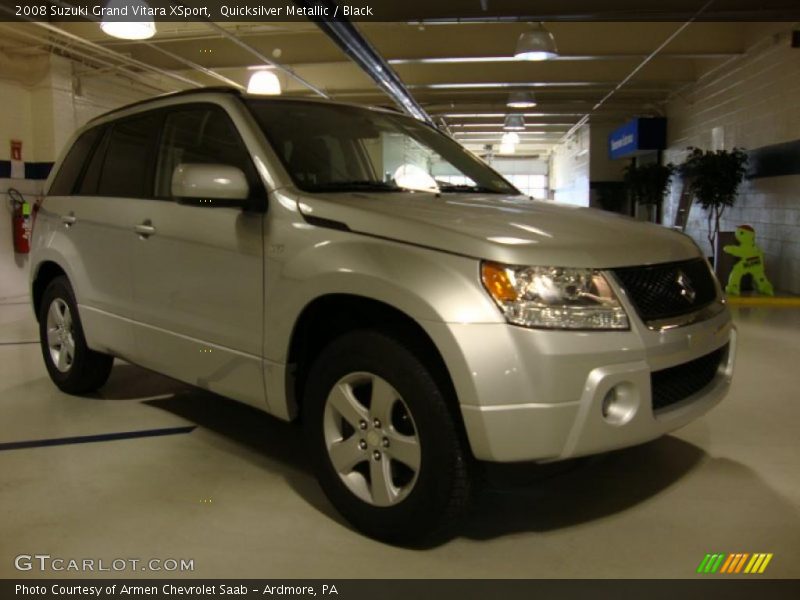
[
  {"x": 384, "y": 443},
  {"x": 71, "y": 364}
]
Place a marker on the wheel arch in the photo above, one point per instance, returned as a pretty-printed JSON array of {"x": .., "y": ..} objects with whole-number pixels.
[
  {"x": 46, "y": 272},
  {"x": 327, "y": 317}
]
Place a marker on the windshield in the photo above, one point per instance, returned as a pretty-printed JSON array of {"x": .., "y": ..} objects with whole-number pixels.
[{"x": 331, "y": 147}]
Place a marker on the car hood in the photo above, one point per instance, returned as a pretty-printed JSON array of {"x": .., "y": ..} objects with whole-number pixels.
[{"x": 509, "y": 229}]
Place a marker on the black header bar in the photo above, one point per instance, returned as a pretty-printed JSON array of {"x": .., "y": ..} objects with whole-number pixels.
[{"x": 55, "y": 11}]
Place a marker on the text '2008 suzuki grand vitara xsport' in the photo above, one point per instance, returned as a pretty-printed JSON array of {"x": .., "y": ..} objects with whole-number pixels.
[{"x": 360, "y": 269}]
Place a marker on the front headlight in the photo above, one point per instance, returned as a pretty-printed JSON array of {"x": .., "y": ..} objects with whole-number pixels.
[{"x": 553, "y": 297}]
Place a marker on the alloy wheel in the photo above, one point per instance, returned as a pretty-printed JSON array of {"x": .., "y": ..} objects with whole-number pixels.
[
  {"x": 60, "y": 335},
  {"x": 371, "y": 439}
]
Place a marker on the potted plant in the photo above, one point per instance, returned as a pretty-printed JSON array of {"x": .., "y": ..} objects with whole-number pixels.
[
  {"x": 713, "y": 178},
  {"x": 648, "y": 184}
]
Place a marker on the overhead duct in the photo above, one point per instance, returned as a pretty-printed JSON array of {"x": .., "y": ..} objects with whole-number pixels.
[{"x": 355, "y": 45}]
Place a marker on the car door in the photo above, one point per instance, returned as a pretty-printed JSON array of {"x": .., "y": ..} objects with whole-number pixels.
[
  {"x": 96, "y": 222},
  {"x": 198, "y": 270}
]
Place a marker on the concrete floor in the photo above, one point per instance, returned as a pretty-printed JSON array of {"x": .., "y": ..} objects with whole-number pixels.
[{"x": 236, "y": 494}]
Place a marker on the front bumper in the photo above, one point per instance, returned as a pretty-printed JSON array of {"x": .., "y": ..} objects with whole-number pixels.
[{"x": 539, "y": 395}]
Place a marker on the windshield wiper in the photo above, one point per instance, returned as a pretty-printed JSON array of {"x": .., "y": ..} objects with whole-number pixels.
[{"x": 357, "y": 185}]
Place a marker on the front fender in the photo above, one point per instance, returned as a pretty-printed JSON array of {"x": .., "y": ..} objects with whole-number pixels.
[
  {"x": 427, "y": 285},
  {"x": 433, "y": 288}
]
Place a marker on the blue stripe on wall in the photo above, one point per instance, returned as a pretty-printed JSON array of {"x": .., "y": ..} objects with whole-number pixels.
[{"x": 33, "y": 170}]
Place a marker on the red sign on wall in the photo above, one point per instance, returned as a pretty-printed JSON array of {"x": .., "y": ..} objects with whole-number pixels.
[{"x": 16, "y": 150}]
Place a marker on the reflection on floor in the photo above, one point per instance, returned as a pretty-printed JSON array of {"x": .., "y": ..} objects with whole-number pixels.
[{"x": 235, "y": 494}]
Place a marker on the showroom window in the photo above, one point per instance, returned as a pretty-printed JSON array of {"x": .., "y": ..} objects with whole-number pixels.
[
  {"x": 126, "y": 169},
  {"x": 531, "y": 185},
  {"x": 529, "y": 175},
  {"x": 202, "y": 134}
]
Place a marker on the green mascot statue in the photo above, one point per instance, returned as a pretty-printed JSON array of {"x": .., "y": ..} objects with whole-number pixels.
[{"x": 751, "y": 261}]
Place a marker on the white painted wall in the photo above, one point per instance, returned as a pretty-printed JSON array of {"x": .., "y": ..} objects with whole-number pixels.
[
  {"x": 43, "y": 114},
  {"x": 16, "y": 117},
  {"x": 753, "y": 100}
]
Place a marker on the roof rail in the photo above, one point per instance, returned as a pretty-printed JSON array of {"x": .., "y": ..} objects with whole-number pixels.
[{"x": 218, "y": 89}]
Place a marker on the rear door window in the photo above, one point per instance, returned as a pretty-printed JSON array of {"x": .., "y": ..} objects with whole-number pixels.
[
  {"x": 127, "y": 167},
  {"x": 74, "y": 163}
]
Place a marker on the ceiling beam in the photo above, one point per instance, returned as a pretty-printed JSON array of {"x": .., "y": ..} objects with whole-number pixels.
[{"x": 356, "y": 46}]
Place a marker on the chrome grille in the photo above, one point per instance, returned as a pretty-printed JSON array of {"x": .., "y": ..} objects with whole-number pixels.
[{"x": 670, "y": 289}]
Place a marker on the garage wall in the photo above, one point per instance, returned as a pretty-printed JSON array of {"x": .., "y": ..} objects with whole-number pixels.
[
  {"x": 43, "y": 113},
  {"x": 751, "y": 102}
]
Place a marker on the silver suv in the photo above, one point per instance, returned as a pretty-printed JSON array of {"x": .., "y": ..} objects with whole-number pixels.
[{"x": 361, "y": 270}]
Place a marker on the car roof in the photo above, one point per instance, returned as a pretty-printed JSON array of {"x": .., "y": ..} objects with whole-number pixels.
[{"x": 234, "y": 92}]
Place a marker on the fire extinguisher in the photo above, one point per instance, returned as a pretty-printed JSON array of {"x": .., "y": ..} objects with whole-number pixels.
[{"x": 21, "y": 222}]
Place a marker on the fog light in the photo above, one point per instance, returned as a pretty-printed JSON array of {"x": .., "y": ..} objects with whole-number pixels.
[{"x": 619, "y": 404}]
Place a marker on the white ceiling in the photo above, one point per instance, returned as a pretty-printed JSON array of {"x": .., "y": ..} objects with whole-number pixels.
[{"x": 461, "y": 71}]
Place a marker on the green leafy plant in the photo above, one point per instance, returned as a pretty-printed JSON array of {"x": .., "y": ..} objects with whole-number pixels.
[
  {"x": 713, "y": 178},
  {"x": 648, "y": 184}
]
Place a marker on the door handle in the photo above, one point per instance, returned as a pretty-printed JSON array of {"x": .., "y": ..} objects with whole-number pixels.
[
  {"x": 145, "y": 230},
  {"x": 69, "y": 219}
]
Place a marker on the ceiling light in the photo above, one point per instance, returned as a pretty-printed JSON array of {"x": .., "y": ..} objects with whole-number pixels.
[
  {"x": 264, "y": 82},
  {"x": 514, "y": 123},
  {"x": 507, "y": 149},
  {"x": 521, "y": 100},
  {"x": 128, "y": 30},
  {"x": 536, "y": 44},
  {"x": 510, "y": 138}
]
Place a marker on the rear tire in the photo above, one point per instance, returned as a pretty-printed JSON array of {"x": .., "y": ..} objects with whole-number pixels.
[
  {"x": 71, "y": 364},
  {"x": 383, "y": 442}
]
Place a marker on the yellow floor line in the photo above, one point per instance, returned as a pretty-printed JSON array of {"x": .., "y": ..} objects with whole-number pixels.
[{"x": 764, "y": 301}]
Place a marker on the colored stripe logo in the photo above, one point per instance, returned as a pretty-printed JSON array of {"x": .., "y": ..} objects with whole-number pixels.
[{"x": 731, "y": 564}]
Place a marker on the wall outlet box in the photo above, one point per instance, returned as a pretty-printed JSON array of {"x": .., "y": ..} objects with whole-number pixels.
[{"x": 796, "y": 38}]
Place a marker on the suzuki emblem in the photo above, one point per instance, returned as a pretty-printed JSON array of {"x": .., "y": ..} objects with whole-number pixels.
[{"x": 687, "y": 291}]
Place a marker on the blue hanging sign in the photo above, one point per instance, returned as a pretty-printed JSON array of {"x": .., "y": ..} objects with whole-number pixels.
[{"x": 637, "y": 137}]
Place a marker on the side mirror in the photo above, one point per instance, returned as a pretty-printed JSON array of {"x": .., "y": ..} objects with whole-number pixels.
[{"x": 211, "y": 185}]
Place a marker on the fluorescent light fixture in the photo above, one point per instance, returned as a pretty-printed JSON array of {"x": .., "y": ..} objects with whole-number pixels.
[
  {"x": 523, "y": 142},
  {"x": 508, "y": 84},
  {"x": 542, "y": 134},
  {"x": 449, "y": 60},
  {"x": 128, "y": 30},
  {"x": 514, "y": 123},
  {"x": 265, "y": 83},
  {"x": 527, "y": 114},
  {"x": 533, "y": 142},
  {"x": 495, "y": 125},
  {"x": 521, "y": 100},
  {"x": 536, "y": 44}
]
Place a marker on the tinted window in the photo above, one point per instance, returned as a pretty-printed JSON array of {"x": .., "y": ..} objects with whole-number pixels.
[
  {"x": 71, "y": 167},
  {"x": 332, "y": 147},
  {"x": 127, "y": 165},
  {"x": 91, "y": 175},
  {"x": 202, "y": 134}
]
